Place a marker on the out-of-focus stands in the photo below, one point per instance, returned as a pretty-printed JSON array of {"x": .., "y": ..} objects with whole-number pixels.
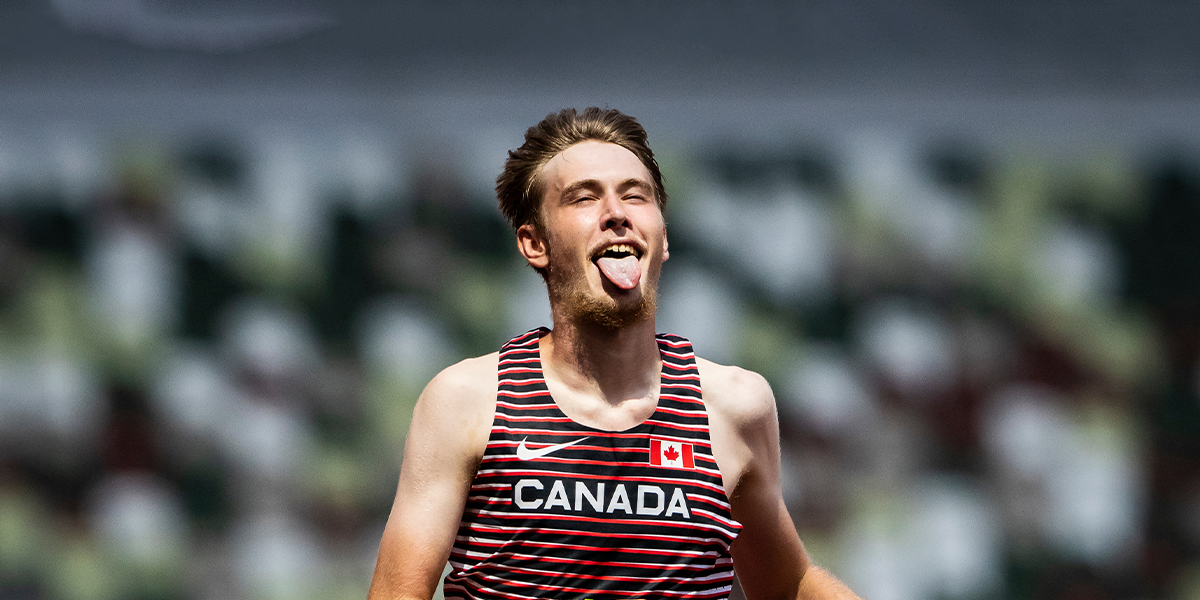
[{"x": 986, "y": 361}]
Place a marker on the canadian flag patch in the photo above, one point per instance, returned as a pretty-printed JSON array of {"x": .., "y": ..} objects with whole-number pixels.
[{"x": 669, "y": 453}]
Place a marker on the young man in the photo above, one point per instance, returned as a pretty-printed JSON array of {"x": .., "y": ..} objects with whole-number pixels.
[{"x": 595, "y": 460}]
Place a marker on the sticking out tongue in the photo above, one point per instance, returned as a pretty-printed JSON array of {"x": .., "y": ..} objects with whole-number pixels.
[{"x": 623, "y": 272}]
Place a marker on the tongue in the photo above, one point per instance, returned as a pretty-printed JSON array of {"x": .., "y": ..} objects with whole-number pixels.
[{"x": 623, "y": 272}]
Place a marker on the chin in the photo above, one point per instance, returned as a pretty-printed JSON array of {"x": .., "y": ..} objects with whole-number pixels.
[
  {"x": 607, "y": 314},
  {"x": 581, "y": 299},
  {"x": 581, "y": 305}
]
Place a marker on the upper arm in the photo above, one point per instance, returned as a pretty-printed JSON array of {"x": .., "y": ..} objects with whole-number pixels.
[
  {"x": 768, "y": 555},
  {"x": 445, "y": 443}
]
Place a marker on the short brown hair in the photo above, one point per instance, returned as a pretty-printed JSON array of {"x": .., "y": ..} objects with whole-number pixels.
[{"x": 518, "y": 188}]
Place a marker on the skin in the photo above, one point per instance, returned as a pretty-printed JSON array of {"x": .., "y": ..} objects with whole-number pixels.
[{"x": 595, "y": 194}]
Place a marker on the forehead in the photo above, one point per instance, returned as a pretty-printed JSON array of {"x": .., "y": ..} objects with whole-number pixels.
[{"x": 592, "y": 160}]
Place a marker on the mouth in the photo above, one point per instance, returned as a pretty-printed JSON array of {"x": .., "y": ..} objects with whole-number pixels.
[
  {"x": 617, "y": 251},
  {"x": 619, "y": 264}
]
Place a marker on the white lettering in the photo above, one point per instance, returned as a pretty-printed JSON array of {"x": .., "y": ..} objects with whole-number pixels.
[
  {"x": 520, "y": 499},
  {"x": 658, "y": 504},
  {"x": 650, "y": 498},
  {"x": 620, "y": 499},
  {"x": 678, "y": 505},
  {"x": 558, "y": 496},
  {"x": 582, "y": 492}
]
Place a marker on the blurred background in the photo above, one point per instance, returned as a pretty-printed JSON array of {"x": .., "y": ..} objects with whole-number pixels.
[{"x": 959, "y": 238}]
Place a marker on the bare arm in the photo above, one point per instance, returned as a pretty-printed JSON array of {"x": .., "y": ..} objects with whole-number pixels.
[
  {"x": 769, "y": 558},
  {"x": 445, "y": 443}
]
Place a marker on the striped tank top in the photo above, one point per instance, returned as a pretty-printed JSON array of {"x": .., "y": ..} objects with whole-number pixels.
[{"x": 562, "y": 510}]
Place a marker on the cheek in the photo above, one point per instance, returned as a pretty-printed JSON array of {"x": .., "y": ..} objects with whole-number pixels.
[{"x": 558, "y": 250}]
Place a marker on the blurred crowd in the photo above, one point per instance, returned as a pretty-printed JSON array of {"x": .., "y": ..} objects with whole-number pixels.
[{"x": 986, "y": 359}]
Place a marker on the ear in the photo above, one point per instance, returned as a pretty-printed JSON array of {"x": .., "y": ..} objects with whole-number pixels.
[
  {"x": 533, "y": 246},
  {"x": 666, "y": 254}
]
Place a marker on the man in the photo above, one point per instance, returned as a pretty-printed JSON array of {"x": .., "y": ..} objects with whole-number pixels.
[{"x": 596, "y": 460}]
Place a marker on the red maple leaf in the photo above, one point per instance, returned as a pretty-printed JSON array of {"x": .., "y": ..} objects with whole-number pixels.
[{"x": 671, "y": 454}]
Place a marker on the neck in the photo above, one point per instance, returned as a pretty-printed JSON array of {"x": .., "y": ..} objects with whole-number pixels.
[{"x": 615, "y": 364}]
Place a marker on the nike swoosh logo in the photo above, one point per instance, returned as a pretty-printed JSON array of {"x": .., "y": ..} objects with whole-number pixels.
[{"x": 526, "y": 453}]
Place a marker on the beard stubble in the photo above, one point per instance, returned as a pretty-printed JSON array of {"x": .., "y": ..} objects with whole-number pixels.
[{"x": 570, "y": 292}]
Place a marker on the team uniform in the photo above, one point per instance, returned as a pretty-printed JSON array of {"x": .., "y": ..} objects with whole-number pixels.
[{"x": 562, "y": 510}]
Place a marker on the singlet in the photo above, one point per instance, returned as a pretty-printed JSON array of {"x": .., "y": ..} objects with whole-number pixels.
[{"x": 562, "y": 510}]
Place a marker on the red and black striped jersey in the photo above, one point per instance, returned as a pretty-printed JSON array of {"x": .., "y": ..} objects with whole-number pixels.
[{"x": 562, "y": 510}]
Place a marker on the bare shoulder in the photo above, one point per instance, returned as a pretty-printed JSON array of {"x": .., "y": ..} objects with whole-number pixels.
[
  {"x": 737, "y": 395},
  {"x": 463, "y": 384},
  {"x": 742, "y": 423},
  {"x": 457, "y": 407}
]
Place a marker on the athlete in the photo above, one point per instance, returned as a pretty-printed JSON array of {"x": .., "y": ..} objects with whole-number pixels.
[{"x": 598, "y": 459}]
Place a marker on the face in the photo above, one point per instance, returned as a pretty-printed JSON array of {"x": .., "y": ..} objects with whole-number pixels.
[{"x": 603, "y": 239}]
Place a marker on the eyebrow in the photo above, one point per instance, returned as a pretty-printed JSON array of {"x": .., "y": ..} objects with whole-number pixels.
[{"x": 592, "y": 184}]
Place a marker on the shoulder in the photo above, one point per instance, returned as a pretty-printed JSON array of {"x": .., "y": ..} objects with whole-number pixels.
[
  {"x": 740, "y": 396},
  {"x": 469, "y": 377},
  {"x": 463, "y": 391},
  {"x": 453, "y": 416},
  {"x": 742, "y": 425}
]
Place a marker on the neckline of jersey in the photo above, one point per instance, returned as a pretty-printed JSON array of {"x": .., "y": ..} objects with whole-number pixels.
[{"x": 641, "y": 427}]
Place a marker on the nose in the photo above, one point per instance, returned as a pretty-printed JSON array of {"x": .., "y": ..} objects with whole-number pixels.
[{"x": 614, "y": 216}]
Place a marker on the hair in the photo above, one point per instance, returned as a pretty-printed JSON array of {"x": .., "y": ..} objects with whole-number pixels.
[{"x": 519, "y": 188}]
